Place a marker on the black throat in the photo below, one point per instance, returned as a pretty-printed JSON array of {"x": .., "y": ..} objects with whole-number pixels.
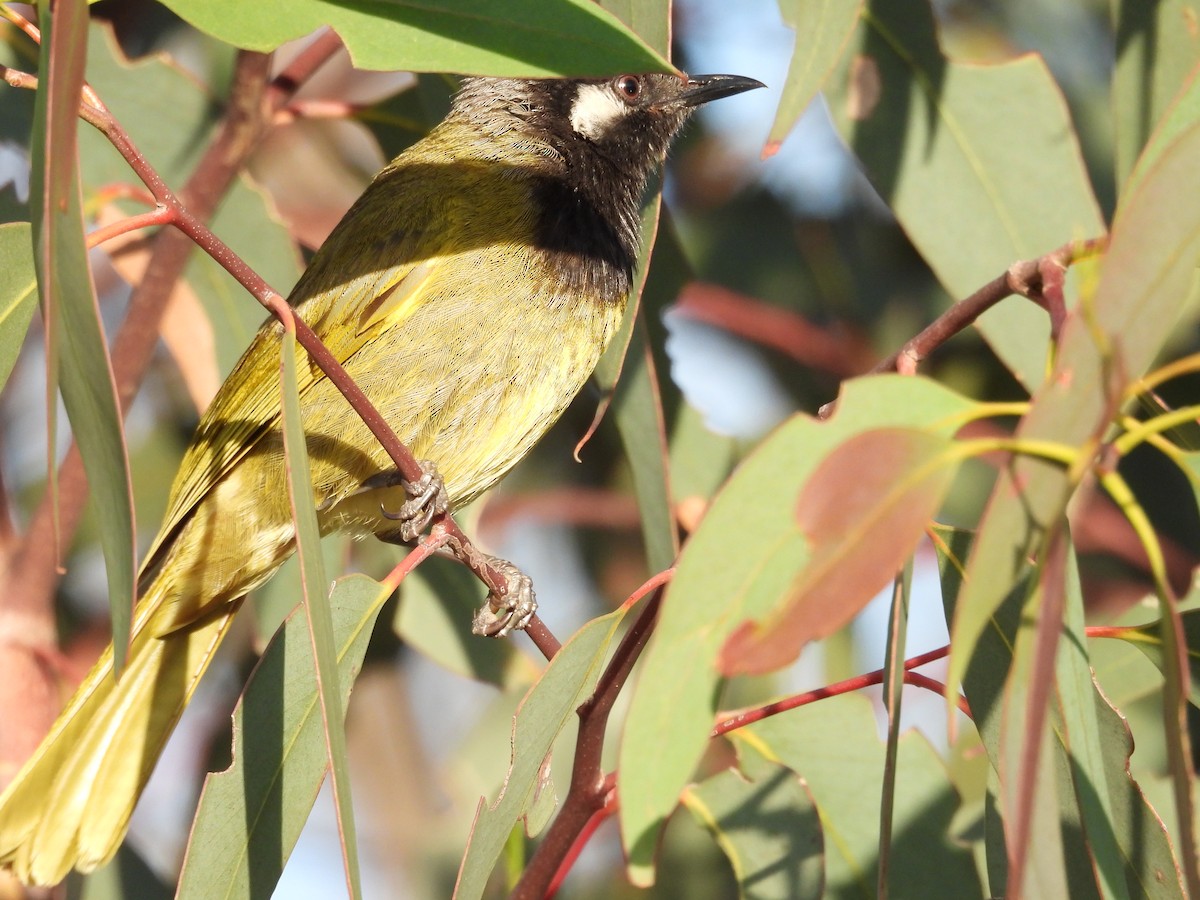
[{"x": 593, "y": 239}]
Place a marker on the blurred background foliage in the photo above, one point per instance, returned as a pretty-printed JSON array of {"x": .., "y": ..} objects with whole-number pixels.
[{"x": 794, "y": 277}]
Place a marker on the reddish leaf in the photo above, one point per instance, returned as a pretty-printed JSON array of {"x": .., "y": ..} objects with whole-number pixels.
[{"x": 863, "y": 510}]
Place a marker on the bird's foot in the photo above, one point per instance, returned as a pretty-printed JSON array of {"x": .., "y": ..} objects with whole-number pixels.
[
  {"x": 427, "y": 498},
  {"x": 511, "y": 612}
]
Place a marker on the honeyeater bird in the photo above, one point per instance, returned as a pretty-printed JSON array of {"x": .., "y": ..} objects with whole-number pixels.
[{"x": 469, "y": 292}]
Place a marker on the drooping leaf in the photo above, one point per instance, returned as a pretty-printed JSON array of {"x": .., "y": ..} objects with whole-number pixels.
[
  {"x": 316, "y": 606},
  {"x": 728, "y": 573},
  {"x": 528, "y": 38},
  {"x": 823, "y": 29},
  {"x": 548, "y": 708},
  {"x": 251, "y": 814},
  {"x": 75, "y": 338},
  {"x": 936, "y": 138}
]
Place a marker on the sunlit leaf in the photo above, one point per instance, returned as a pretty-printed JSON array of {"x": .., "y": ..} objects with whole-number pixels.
[
  {"x": 18, "y": 292},
  {"x": 316, "y": 605},
  {"x": 519, "y": 38},
  {"x": 738, "y": 565},
  {"x": 862, "y": 513},
  {"x": 937, "y": 140},
  {"x": 548, "y": 708},
  {"x": 76, "y": 345},
  {"x": 251, "y": 814}
]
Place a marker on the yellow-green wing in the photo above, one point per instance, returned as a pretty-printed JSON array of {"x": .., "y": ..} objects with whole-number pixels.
[{"x": 248, "y": 404}]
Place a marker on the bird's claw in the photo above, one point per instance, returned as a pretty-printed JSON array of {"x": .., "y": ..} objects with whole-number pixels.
[
  {"x": 501, "y": 615},
  {"x": 426, "y": 498}
]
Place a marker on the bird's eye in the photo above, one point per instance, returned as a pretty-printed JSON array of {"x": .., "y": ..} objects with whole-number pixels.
[{"x": 628, "y": 87}]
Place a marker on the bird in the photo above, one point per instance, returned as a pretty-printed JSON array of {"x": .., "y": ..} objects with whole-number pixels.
[{"x": 469, "y": 292}]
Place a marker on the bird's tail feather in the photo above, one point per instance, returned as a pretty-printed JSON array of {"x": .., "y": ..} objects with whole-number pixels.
[{"x": 69, "y": 806}]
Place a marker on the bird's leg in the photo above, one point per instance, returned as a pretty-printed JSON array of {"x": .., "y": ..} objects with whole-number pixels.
[
  {"x": 511, "y": 612},
  {"x": 426, "y": 498},
  {"x": 510, "y": 602}
]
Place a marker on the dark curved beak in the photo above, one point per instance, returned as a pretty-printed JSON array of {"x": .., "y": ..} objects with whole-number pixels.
[{"x": 703, "y": 88}]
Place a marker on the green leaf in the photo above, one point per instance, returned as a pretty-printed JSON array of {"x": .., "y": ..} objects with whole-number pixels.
[
  {"x": 1157, "y": 47},
  {"x": 1144, "y": 285},
  {"x": 834, "y": 746},
  {"x": 767, "y": 825},
  {"x": 936, "y": 138},
  {"x": 316, "y": 605},
  {"x": 251, "y": 814},
  {"x": 546, "y": 710},
  {"x": 628, "y": 372},
  {"x": 642, "y": 393},
  {"x": 893, "y": 694},
  {"x": 648, "y": 19},
  {"x": 171, "y": 124},
  {"x": 18, "y": 292},
  {"x": 525, "y": 38},
  {"x": 701, "y": 459},
  {"x": 1075, "y": 774},
  {"x": 76, "y": 347},
  {"x": 1181, "y": 114},
  {"x": 1030, "y": 794},
  {"x": 1077, "y": 700},
  {"x": 823, "y": 29},
  {"x": 728, "y": 573}
]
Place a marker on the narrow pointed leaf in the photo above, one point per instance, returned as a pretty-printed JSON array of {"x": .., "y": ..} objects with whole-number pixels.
[
  {"x": 316, "y": 606},
  {"x": 77, "y": 351},
  {"x": 823, "y": 29},
  {"x": 547, "y": 709},
  {"x": 251, "y": 814}
]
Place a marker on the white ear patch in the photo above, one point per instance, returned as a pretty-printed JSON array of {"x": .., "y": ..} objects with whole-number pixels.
[{"x": 595, "y": 110}]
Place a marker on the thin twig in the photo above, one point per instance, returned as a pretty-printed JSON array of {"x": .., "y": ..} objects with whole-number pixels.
[{"x": 1040, "y": 280}]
